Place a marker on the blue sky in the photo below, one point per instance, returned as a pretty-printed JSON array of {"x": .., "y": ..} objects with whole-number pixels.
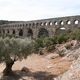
[{"x": 24, "y": 10}]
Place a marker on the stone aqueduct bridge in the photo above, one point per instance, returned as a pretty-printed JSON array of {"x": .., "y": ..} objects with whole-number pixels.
[{"x": 35, "y": 28}]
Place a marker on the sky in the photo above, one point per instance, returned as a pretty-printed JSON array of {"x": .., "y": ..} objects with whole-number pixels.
[{"x": 24, "y": 10}]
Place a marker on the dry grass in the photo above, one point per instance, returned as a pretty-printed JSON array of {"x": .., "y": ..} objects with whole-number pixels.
[{"x": 60, "y": 65}]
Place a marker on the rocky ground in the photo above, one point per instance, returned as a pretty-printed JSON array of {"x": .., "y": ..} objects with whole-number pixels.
[
  {"x": 40, "y": 67},
  {"x": 48, "y": 67},
  {"x": 74, "y": 71}
]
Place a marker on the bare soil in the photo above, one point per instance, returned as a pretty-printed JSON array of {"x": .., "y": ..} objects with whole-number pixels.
[{"x": 40, "y": 67}]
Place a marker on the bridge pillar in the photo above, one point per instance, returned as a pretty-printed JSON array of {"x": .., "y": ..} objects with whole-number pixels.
[
  {"x": 24, "y": 32},
  {"x": 35, "y": 33},
  {"x": 51, "y": 31},
  {"x": 17, "y": 33},
  {"x": 10, "y": 32}
]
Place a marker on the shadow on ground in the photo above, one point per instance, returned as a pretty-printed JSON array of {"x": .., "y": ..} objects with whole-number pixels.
[{"x": 20, "y": 75}]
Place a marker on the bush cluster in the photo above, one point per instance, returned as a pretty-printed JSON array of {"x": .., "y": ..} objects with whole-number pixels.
[
  {"x": 15, "y": 47},
  {"x": 50, "y": 42}
]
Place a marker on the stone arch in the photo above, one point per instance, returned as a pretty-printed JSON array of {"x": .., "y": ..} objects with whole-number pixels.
[
  {"x": 68, "y": 22},
  {"x": 26, "y": 24},
  {"x": 41, "y": 24},
  {"x": 45, "y": 23},
  {"x": 29, "y": 24},
  {"x": 20, "y": 25},
  {"x": 37, "y": 24},
  {"x": 43, "y": 32},
  {"x": 13, "y": 32},
  {"x": 17, "y": 25},
  {"x": 61, "y": 23},
  {"x": 50, "y": 23},
  {"x": 7, "y": 31},
  {"x": 23, "y": 25},
  {"x": 3, "y": 31},
  {"x": 20, "y": 32},
  {"x": 33, "y": 25},
  {"x": 55, "y": 23},
  {"x": 29, "y": 33},
  {"x": 76, "y": 21}
]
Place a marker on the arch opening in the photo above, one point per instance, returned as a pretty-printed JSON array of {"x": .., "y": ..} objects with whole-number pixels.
[
  {"x": 37, "y": 24},
  {"x": 20, "y": 32},
  {"x": 76, "y": 22},
  {"x": 61, "y": 23},
  {"x": 41, "y": 24},
  {"x": 68, "y": 22},
  {"x": 26, "y": 24},
  {"x": 55, "y": 23},
  {"x": 13, "y": 32},
  {"x": 50, "y": 23},
  {"x": 30, "y": 33},
  {"x": 3, "y": 31},
  {"x": 43, "y": 33},
  {"x": 61, "y": 30},
  {"x": 45, "y": 24},
  {"x": 29, "y": 24},
  {"x": 7, "y": 31}
]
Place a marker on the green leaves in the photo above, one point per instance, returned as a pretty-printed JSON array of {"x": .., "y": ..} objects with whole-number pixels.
[{"x": 15, "y": 47}]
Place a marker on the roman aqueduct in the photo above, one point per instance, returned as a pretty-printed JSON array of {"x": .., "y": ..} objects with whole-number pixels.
[{"x": 35, "y": 28}]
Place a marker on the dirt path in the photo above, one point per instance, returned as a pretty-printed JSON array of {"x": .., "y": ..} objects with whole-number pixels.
[{"x": 41, "y": 67}]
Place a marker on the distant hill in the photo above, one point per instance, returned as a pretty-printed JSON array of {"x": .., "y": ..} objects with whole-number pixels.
[{"x": 6, "y": 22}]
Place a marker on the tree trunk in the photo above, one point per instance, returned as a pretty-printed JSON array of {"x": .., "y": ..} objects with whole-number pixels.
[{"x": 8, "y": 69}]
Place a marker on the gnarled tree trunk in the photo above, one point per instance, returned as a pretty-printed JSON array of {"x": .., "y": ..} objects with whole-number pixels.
[{"x": 8, "y": 69}]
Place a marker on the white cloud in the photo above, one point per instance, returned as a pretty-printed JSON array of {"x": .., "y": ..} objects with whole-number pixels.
[{"x": 37, "y": 9}]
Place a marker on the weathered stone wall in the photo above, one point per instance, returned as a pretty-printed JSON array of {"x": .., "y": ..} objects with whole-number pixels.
[{"x": 32, "y": 28}]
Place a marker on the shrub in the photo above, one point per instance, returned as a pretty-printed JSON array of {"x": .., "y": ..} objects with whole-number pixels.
[
  {"x": 61, "y": 53},
  {"x": 12, "y": 49},
  {"x": 51, "y": 48},
  {"x": 38, "y": 44},
  {"x": 48, "y": 41},
  {"x": 62, "y": 38},
  {"x": 68, "y": 46},
  {"x": 75, "y": 34}
]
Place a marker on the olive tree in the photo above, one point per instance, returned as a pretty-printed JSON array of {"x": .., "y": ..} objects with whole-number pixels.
[{"x": 14, "y": 49}]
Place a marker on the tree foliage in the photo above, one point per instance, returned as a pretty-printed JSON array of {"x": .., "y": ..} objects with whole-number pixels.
[
  {"x": 12, "y": 49},
  {"x": 15, "y": 48}
]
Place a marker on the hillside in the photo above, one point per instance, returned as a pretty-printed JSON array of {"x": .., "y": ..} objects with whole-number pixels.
[
  {"x": 6, "y": 22},
  {"x": 56, "y": 58},
  {"x": 49, "y": 66}
]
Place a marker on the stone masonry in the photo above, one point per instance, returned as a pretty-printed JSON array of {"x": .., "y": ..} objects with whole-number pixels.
[{"x": 33, "y": 28}]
